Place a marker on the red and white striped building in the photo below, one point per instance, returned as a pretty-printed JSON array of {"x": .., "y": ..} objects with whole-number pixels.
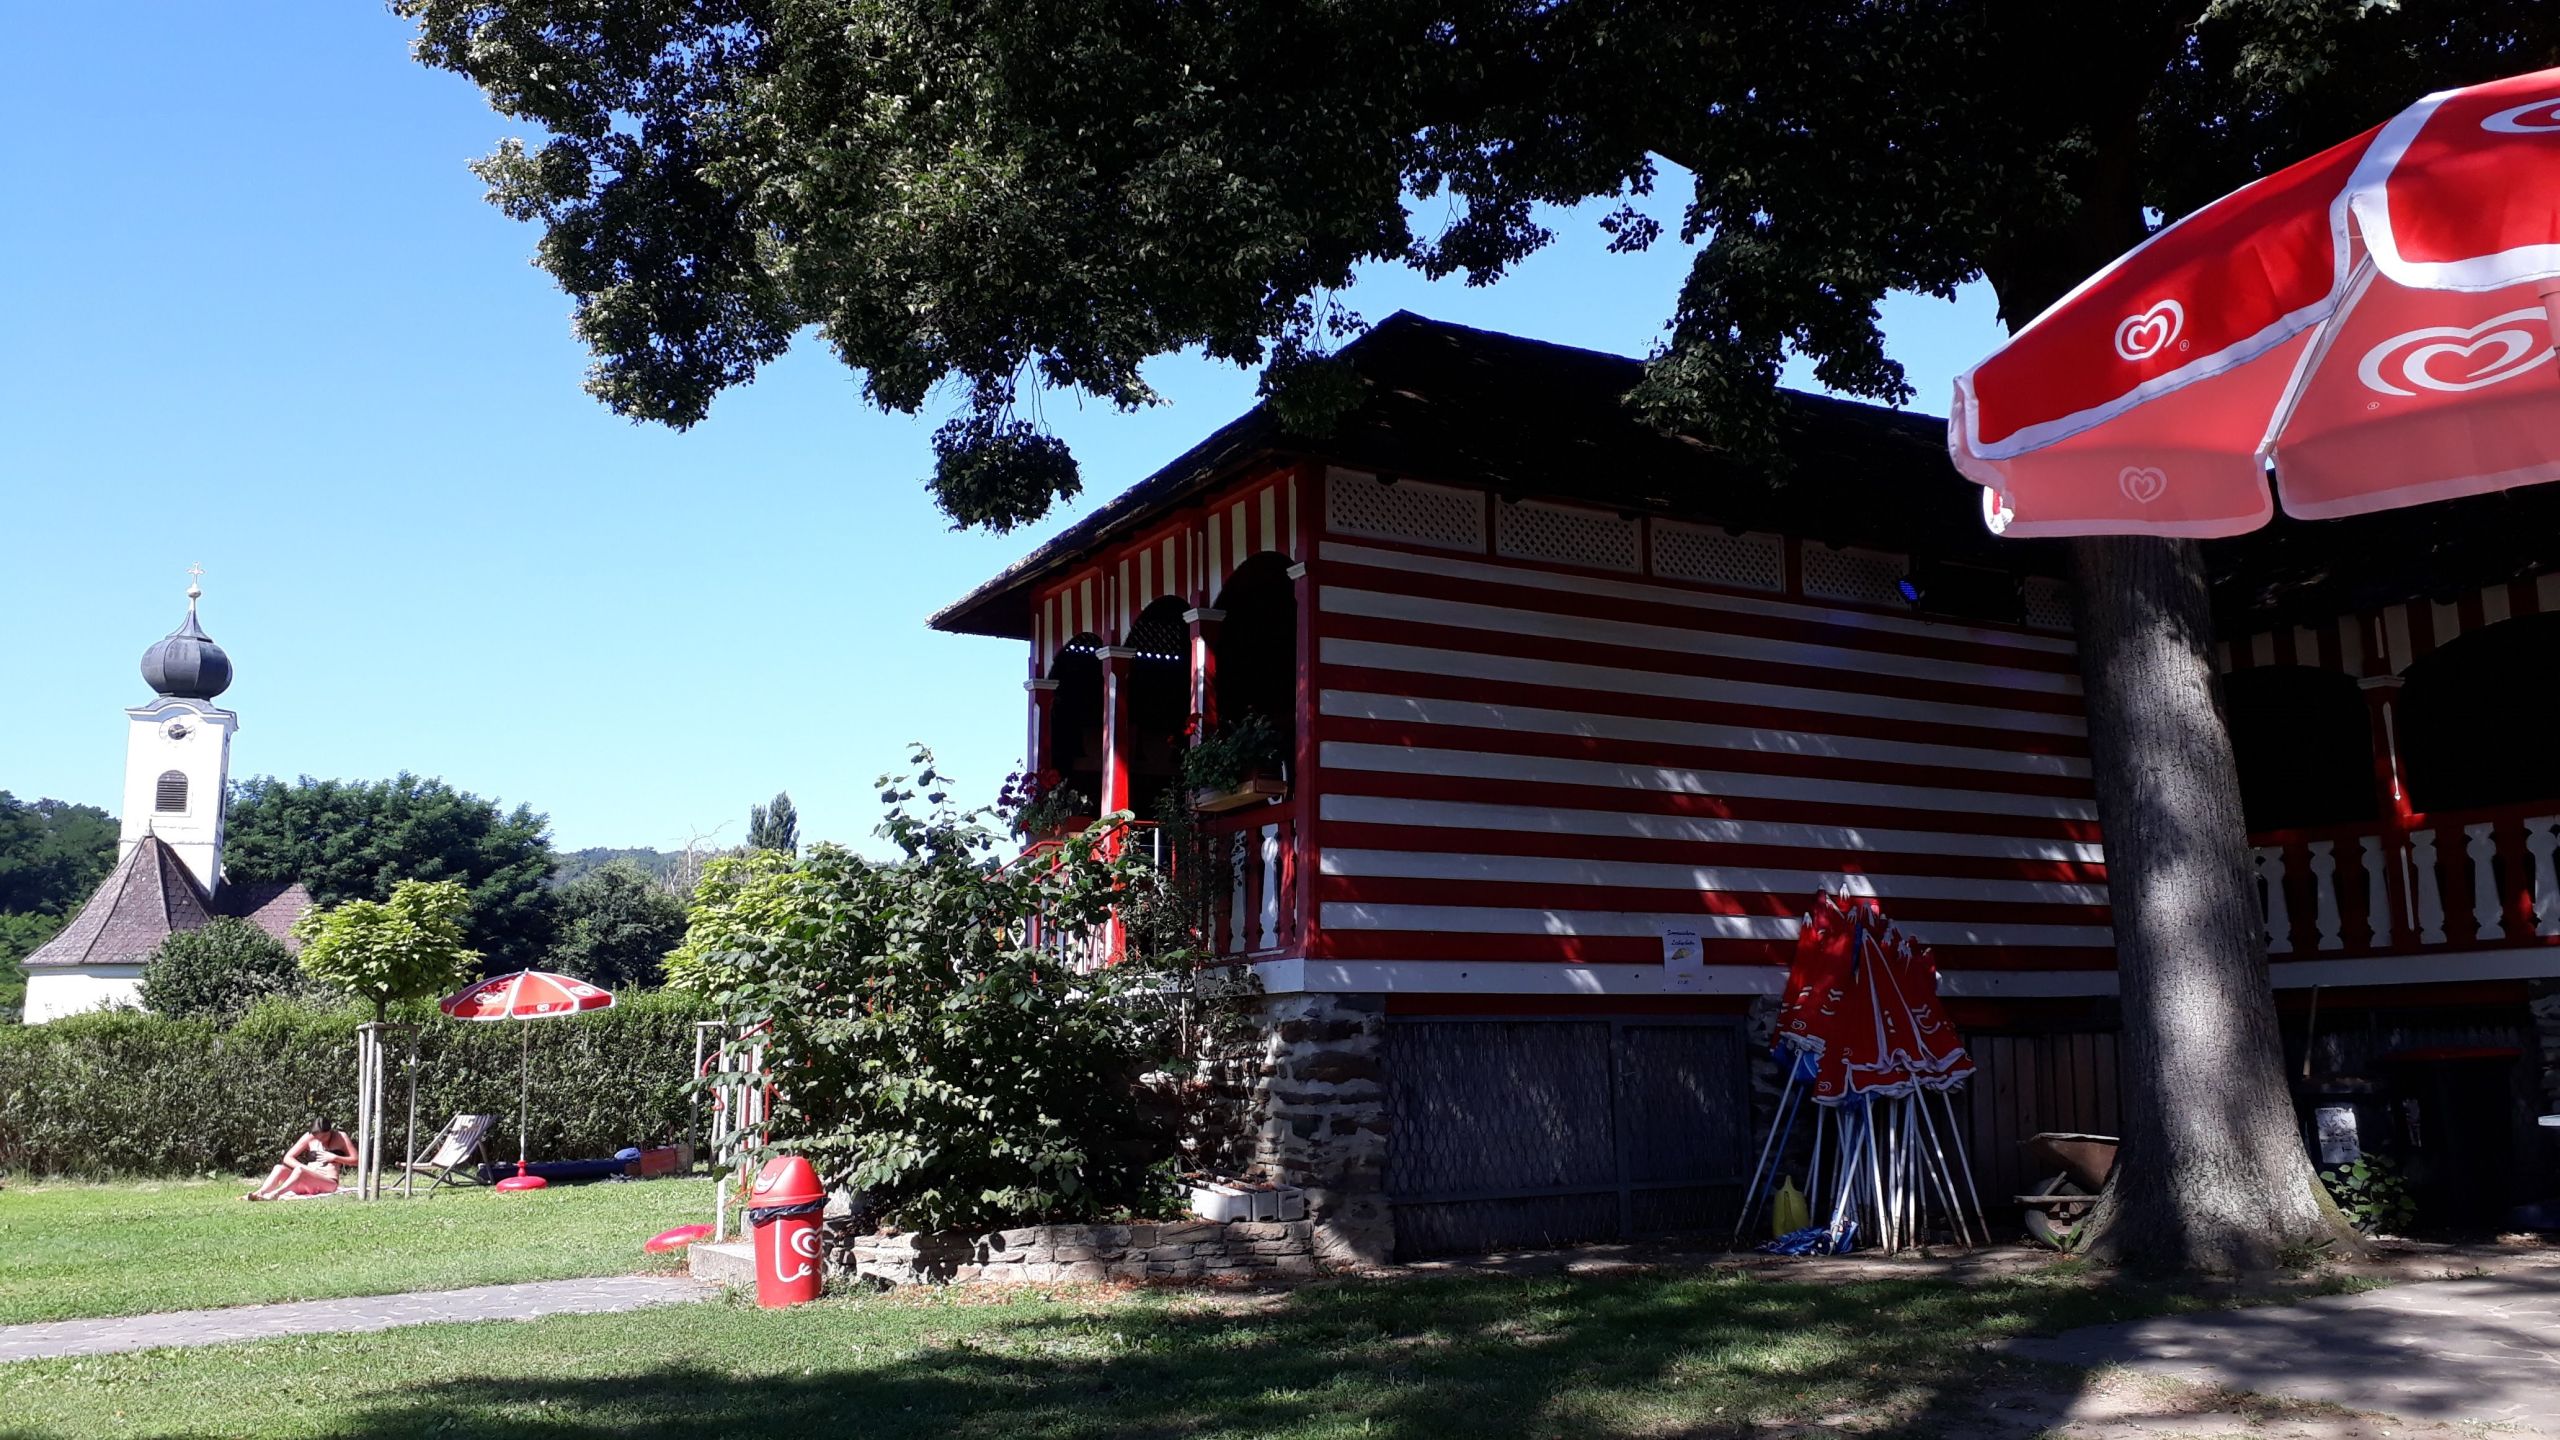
[{"x": 1559, "y": 689}]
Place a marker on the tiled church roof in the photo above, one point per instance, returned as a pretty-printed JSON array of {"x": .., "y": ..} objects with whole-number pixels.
[{"x": 151, "y": 895}]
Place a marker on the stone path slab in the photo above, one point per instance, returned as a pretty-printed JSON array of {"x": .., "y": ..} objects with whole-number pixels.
[
  {"x": 57, "y": 1338},
  {"x": 2482, "y": 1350}
]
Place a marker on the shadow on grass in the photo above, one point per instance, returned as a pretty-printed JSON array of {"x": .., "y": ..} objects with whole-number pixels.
[{"x": 1692, "y": 1355}]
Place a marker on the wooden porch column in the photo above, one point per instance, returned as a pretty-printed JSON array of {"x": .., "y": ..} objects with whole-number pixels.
[
  {"x": 1035, "y": 754},
  {"x": 1203, "y": 625},
  {"x": 1117, "y": 740},
  {"x": 2382, "y": 704}
]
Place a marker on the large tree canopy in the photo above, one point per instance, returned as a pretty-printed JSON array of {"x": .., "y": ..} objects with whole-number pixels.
[
  {"x": 1045, "y": 193},
  {"x": 1042, "y": 194},
  {"x": 357, "y": 840}
]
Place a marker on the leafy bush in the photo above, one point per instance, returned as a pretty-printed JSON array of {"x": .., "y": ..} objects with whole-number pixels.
[
  {"x": 737, "y": 896},
  {"x": 938, "y": 1057},
  {"x": 217, "y": 971},
  {"x": 2373, "y": 1194},
  {"x": 129, "y": 1093}
]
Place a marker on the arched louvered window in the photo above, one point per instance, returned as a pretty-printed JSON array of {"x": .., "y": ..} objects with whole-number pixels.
[{"x": 173, "y": 793}]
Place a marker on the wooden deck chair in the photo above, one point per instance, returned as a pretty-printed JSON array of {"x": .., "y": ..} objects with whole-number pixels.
[{"x": 455, "y": 1147}]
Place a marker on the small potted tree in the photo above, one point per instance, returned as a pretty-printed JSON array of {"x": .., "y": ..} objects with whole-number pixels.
[{"x": 1236, "y": 766}]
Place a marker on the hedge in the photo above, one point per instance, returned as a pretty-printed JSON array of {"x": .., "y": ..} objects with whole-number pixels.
[{"x": 124, "y": 1093}]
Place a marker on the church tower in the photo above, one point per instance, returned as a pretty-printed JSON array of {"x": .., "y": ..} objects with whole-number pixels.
[{"x": 178, "y": 751}]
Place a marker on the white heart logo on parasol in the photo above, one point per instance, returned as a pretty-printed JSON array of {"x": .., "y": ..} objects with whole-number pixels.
[
  {"x": 2451, "y": 359},
  {"x": 2142, "y": 484},
  {"x": 1997, "y": 510},
  {"x": 2139, "y": 337},
  {"x": 2542, "y": 117}
]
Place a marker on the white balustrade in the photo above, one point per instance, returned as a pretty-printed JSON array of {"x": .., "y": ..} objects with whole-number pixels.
[
  {"x": 2425, "y": 895},
  {"x": 1270, "y": 916},
  {"x": 2539, "y": 842},
  {"x": 2483, "y": 852},
  {"x": 2271, "y": 891},
  {"x": 2324, "y": 894},
  {"x": 2377, "y": 893}
]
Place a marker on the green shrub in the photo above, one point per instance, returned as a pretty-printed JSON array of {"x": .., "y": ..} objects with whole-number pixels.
[
  {"x": 216, "y": 971},
  {"x": 2373, "y": 1194},
  {"x": 134, "y": 1094}
]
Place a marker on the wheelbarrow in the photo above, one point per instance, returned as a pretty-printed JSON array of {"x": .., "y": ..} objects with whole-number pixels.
[{"x": 2075, "y": 1168}]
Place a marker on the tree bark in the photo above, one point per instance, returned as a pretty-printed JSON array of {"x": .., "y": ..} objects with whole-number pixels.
[{"x": 2213, "y": 1175}]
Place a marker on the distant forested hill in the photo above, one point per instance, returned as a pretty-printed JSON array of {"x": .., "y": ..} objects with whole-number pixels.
[{"x": 661, "y": 864}]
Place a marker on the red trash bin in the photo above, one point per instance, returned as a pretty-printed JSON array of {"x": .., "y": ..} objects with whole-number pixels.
[{"x": 787, "y": 1209}]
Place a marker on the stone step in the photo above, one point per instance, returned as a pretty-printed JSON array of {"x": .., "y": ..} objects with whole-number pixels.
[{"x": 732, "y": 1263}]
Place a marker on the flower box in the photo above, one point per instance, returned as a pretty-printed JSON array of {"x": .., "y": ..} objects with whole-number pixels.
[{"x": 1256, "y": 791}]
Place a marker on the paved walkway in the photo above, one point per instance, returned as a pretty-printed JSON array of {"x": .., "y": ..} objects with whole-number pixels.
[
  {"x": 2478, "y": 1350},
  {"x": 55, "y": 1338}
]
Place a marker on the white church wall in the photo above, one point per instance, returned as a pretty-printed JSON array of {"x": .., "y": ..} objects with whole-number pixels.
[
  {"x": 192, "y": 739},
  {"x": 75, "y": 990}
]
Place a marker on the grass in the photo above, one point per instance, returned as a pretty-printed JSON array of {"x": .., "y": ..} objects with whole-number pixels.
[
  {"x": 75, "y": 1251},
  {"x": 1712, "y": 1354}
]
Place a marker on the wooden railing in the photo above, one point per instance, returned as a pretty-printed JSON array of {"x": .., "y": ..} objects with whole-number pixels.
[
  {"x": 1258, "y": 852},
  {"x": 2453, "y": 880},
  {"x": 1250, "y": 895}
]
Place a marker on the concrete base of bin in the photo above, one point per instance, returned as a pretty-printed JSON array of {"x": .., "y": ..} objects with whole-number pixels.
[{"x": 733, "y": 1263}]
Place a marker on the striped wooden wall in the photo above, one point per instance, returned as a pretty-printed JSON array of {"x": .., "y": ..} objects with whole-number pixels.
[
  {"x": 1533, "y": 760},
  {"x": 1188, "y": 555},
  {"x": 2389, "y": 640}
]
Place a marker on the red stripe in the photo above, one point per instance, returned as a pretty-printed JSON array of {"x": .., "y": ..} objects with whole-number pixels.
[
  {"x": 1369, "y": 680},
  {"x": 2468, "y": 612},
  {"x": 2422, "y": 628},
  {"x": 1457, "y": 950},
  {"x": 2523, "y": 598},
  {"x": 2287, "y": 652},
  {"x": 1508, "y": 895},
  {"x": 1545, "y": 601},
  {"x": 1405, "y": 785},
  {"x": 1433, "y": 839},
  {"x": 1690, "y": 757},
  {"x": 1812, "y": 675}
]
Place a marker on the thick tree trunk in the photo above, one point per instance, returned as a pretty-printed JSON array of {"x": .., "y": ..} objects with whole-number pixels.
[{"x": 2213, "y": 1175}]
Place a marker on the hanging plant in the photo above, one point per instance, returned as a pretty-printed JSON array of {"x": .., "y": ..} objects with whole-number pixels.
[
  {"x": 1044, "y": 804},
  {"x": 1234, "y": 766}
]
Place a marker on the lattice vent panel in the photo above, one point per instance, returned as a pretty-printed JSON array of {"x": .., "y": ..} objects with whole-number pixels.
[
  {"x": 1870, "y": 577},
  {"x": 1355, "y": 503},
  {"x": 1706, "y": 553},
  {"x": 1569, "y": 535},
  {"x": 2048, "y": 603}
]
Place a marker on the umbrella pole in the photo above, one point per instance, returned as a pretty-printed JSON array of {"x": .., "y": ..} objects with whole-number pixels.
[
  {"x": 524, "y": 1096},
  {"x": 1751, "y": 1197},
  {"x": 1943, "y": 1182},
  {"x": 1964, "y": 1163}
]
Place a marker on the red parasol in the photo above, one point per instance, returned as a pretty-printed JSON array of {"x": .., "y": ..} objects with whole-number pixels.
[
  {"x": 525, "y": 995},
  {"x": 2371, "y": 324}
]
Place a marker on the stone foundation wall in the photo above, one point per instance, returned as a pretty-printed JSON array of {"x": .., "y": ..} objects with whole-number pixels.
[
  {"x": 1320, "y": 1107},
  {"x": 1190, "y": 1250}
]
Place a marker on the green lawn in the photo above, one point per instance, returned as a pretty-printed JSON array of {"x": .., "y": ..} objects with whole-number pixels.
[
  {"x": 1697, "y": 1355},
  {"x": 69, "y": 1251}
]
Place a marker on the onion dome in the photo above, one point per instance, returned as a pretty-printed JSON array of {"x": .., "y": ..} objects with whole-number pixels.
[{"x": 187, "y": 665}]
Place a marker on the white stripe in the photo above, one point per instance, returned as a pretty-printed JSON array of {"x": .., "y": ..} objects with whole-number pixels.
[
  {"x": 2262, "y": 649},
  {"x": 1565, "y": 675},
  {"x": 1661, "y": 779},
  {"x": 1539, "y": 977},
  {"x": 2448, "y": 622},
  {"x": 1509, "y": 920},
  {"x": 2395, "y": 625},
  {"x": 2493, "y": 604},
  {"x": 2546, "y": 592},
  {"x": 1646, "y": 875},
  {"x": 1695, "y": 829},
  {"x": 1680, "y": 640},
  {"x": 1355, "y": 704},
  {"x": 1694, "y": 599},
  {"x": 2306, "y": 645}
]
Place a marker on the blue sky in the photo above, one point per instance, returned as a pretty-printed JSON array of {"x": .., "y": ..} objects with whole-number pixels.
[{"x": 259, "y": 318}]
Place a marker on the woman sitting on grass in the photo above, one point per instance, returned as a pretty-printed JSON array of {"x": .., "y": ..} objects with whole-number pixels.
[{"x": 310, "y": 1164}]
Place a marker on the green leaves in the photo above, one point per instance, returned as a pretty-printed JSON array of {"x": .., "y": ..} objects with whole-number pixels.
[
  {"x": 407, "y": 947},
  {"x": 945, "y": 1049},
  {"x": 217, "y": 971}
]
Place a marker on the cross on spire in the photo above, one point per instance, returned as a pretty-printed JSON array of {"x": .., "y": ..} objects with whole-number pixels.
[{"x": 195, "y": 586}]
